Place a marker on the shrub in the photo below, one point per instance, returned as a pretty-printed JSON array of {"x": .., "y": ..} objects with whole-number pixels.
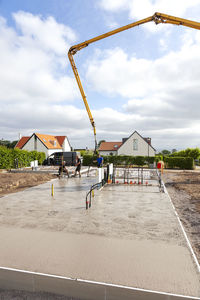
[
  {"x": 10, "y": 158},
  {"x": 90, "y": 160},
  {"x": 185, "y": 163},
  {"x": 6, "y": 158},
  {"x": 189, "y": 152},
  {"x": 170, "y": 162}
]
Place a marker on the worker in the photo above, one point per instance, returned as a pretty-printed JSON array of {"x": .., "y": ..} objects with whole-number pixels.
[
  {"x": 63, "y": 169},
  {"x": 99, "y": 161},
  {"x": 78, "y": 166},
  {"x": 160, "y": 166}
]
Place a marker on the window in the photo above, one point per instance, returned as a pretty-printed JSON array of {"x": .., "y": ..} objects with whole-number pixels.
[
  {"x": 135, "y": 144},
  {"x": 115, "y": 146}
]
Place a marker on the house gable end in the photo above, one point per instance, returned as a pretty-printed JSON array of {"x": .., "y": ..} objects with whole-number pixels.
[
  {"x": 27, "y": 141},
  {"x": 20, "y": 144},
  {"x": 139, "y": 136},
  {"x": 35, "y": 134}
]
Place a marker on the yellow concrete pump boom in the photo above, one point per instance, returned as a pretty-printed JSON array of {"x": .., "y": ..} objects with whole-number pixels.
[{"x": 157, "y": 18}]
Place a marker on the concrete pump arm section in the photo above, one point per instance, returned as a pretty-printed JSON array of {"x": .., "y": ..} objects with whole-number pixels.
[{"x": 157, "y": 18}]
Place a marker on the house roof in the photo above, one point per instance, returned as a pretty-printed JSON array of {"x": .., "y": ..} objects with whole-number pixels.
[
  {"x": 60, "y": 139},
  {"x": 109, "y": 146},
  {"x": 49, "y": 141},
  {"x": 22, "y": 142},
  {"x": 145, "y": 139}
]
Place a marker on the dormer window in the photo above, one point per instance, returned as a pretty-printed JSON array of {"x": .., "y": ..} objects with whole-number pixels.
[{"x": 115, "y": 146}]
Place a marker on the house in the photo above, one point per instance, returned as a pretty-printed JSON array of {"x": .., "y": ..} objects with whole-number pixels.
[
  {"x": 134, "y": 145},
  {"x": 44, "y": 143}
]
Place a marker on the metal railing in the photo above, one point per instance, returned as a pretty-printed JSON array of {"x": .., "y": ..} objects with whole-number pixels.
[
  {"x": 136, "y": 175},
  {"x": 90, "y": 194}
]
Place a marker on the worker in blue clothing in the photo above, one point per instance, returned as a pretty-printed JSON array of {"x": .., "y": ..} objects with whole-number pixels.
[{"x": 99, "y": 161}]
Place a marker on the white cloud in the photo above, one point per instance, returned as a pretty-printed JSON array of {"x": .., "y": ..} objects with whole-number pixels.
[
  {"x": 114, "y": 5},
  {"x": 43, "y": 33},
  {"x": 138, "y": 9},
  {"x": 31, "y": 60},
  {"x": 35, "y": 89},
  {"x": 160, "y": 95},
  {"x": 116, "y": 73}
]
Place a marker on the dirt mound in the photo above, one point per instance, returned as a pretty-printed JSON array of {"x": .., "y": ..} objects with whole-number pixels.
[{"x": 13, "y": 182}]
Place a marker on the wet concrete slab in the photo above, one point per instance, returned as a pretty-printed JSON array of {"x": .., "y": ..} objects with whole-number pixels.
[{"x": 130, "y": 236}]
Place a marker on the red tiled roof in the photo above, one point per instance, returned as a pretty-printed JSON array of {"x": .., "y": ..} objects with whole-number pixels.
[
  {"x": 22, "y": 142},
  {"x": 49, "y": 141},
  {"x": 60, "y": 139},
  {"x": 109, "y": 146}
]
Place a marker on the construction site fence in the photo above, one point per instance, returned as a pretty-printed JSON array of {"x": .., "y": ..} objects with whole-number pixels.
[
  {"x": 127, "y": 175},
  {"x": 136, "y": 175}
]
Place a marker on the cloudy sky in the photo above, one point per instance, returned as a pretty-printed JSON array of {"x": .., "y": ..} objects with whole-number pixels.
[{"x": 144, "y": 79}]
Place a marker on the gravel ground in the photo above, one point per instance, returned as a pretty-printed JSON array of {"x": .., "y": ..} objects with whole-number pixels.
[
  {"x": 184, "y": 190},
  {"x": 23, "y": 295}
]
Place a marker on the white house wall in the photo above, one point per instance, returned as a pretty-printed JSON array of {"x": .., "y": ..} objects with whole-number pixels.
[
  {"x": 107, "y": 152},
  {"x": 144, "y": 149},
  {"x": 30, "y": 146},
  {"x": 66, "y": 145},
  {"x": 51, "y": 151}
]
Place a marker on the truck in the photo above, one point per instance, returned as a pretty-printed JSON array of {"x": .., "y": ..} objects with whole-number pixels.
[{"x": 57, "y": 158}]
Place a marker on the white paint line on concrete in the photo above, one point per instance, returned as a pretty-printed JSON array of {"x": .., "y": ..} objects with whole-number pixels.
[
  {"x": 185, "y": 235},
  {"x": 98, "y": 283}
]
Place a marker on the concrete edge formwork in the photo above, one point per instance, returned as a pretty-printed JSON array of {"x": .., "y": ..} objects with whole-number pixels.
[{"x": 15, "y": 279}]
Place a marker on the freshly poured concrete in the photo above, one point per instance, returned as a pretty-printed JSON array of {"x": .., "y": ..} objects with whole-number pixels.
[{"x": 130, "y": 236}]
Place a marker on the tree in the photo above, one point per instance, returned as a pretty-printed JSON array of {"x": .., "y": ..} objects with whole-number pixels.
[
  {"x": 189, "y": 152},
  {"x": 174, "y": 150},
  {"x": 165, "y": 152},
  {"x": 193, "y": 152},
  {"x": 7, "y": 143}
]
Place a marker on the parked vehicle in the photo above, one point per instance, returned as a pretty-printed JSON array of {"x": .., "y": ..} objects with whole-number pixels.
[{"x": 57, "y": 158}]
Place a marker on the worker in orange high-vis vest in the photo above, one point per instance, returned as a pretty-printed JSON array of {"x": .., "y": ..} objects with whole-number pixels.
[{"x": 160, "y": 166}]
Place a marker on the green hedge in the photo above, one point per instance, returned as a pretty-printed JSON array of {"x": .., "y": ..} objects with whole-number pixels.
[
  {"x": 9, "y": 157},
  {"x": 185, "y": 163},
  {"x": 170, "y": 162},
  {"x": 189, "y": 152},
  {"x": 90, "y": 160}
]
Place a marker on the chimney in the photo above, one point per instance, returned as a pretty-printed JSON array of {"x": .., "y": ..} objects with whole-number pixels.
[
  {"x": 124, "y": 140},
  {"x": 20, "y": 136},
  {"x": 148, "y": 140}
]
